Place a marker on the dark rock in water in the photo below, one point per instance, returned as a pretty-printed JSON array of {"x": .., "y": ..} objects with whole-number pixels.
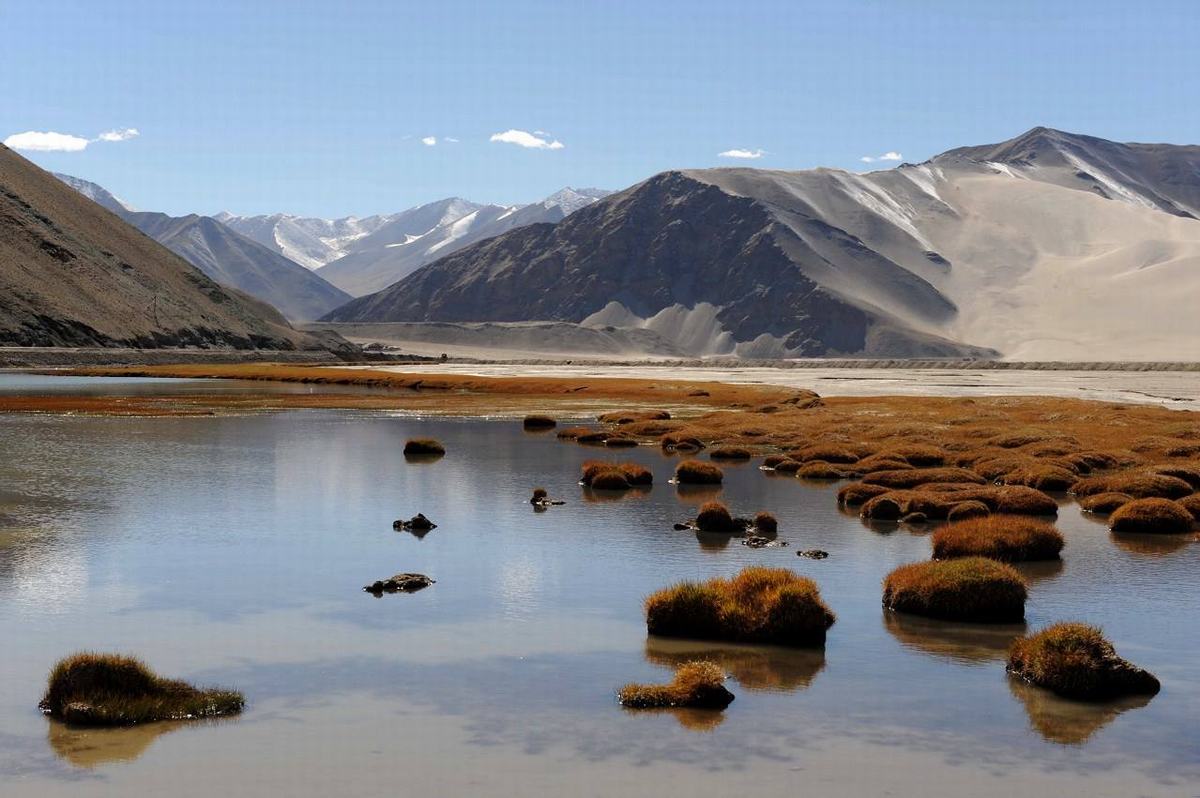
[
  {"x": 400, "y": 583},
  {"x": 541, "y": 500},
  {"x": 915, "y": 518},
  {"x": 813, "y": 554},
  {"x": 682, "y": 527},
  {"x": 418, "y": 523},
  {"x": 760, "y": 542}
]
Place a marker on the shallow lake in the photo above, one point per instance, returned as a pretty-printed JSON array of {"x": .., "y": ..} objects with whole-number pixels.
[{"x": 232, "y": 550}]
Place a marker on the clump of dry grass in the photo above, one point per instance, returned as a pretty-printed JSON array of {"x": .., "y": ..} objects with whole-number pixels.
[
  {"x": 620, "y": 442},
  {"x": 820, "y": 470},
  {"x": 1008, "y": 538},
  {"x": 765, "y": 523},
  {"x": 730, "y": 453},
  {"x": 1075, "y": 660},
  {"x": 971, "y": 508},
  {"x": 609, "y": 475},
  {"x": 715, "y": 517},
  {"x": 912, "y": 477},
  {"x": 1138, "y": 484},
  {"x": 681, "y": 441},
  {"x": 1104, "y": 503},
  {"x": 788, "y": 466},
  {"x": 758, "y": 605},
  {"x": 1192, "y": 505},
  {"x": 1044, "y": 476},
  {"x": 696, "y": 684},
  {"x": 828, "y": 453},
  {"x": 696, "y": 472},
  {"x": 573, "y": 433},
  {"x": 914, "y": 454},
  {"x": 975, "y": 589},
  {"x": 538, "y": 422},
  {"x": 419, "y": 446},
  {"x": 936, "y": 501},
  {"x": 1187, "y": 472},
  {"x": 112, "y": 690},
  {"x": 856, "y": 493},
  {"x": 1151, "y": 516}
]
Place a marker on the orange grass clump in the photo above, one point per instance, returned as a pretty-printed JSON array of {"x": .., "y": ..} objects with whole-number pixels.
[
  {"x": 538, "y": 422},
  {"x": 758, "y": 605},
  {"x": 1139, "y": 485},
  {"x": 608, "y": 475},
  {"x": 1104, "y": 503},
  {"x": 696, "y": 472},
  {"x": 696, "y": 684},
  {"x": 1152, "y": 516},
  {"x": 914, "y": 477},
  {"x": 730, "y": 453},
  {"x": 1008, "y": 538},
  {"x": 1075, "y": 660},
  {"x": 974, "y": 589},
  {"x": 766, "y": 523},
  {"x": 1192, "y": 505},
  {"x": 715, "y": 517}
]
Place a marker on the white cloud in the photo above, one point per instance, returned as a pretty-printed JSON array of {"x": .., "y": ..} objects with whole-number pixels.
[
  {"x": 45, "y": 142},
  {"x": 124, "y": 134},
  {"x": 751, "y": 154},
  {"x": 429, "y": 141},
  {"x": 451, "y": 140},
  {"x": 49, "y": 141},
  {"x": 890, "y": 155},
  {"x": 523, "y": 138}
]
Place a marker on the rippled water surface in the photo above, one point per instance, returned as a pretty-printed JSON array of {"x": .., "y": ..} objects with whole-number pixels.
[{"x": 232, "y": 551}]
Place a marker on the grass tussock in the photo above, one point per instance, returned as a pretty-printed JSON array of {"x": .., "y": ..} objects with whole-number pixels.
[
  {"x": 573, "y": 433},
  {"x": 937, "y": 501},
  {"x": 112, "y": 690},
  {"x": 1104, "y": 503},
  {"x": 610, "y": 475},
  {"x": 758, "y": 605},
  {"x": 1192, "y": 505},
  {"x": 914, "y": 454},
  {"x": 1076, "y": 661},
  {"x": 974, "y": 589},
  {"x": 423, "y": 446},
  {"x": 715, "y": 517},
  {"x": 827, "y": 453},
  {"x": 697, "y": 472},
  {"x": 765, "y": 523},
  {"x": 731, "y": 453},
  {"x": 913, "y": 477},
  {"x": 971, "y": 508},
  {"x": 699, "y": 685},
  {"x": 538, "y": 422},
  {"x": 1139, "y": 485},
  {"x": 1187, "y": 472},
  {"x": 820, "y": 470},
  {"x": 1008, "y": 538},
  {"x": 857, "y": 493},
  {"x": 1151, "y": 516}
]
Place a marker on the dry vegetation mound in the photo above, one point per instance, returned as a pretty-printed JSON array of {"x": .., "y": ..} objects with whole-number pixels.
[
  {"x": 111, "y": 690},
  {"x": 1104, "y": 503},
  {"x": 423, "y": 446},
  {"x": 697, "y": 472},
  {"x": 696, "y": 684},
  {"x": 758, "y": 605},
  {"x": 1008, "y": 538},
  {"x": 974, "y": 589},
  {"x": 914, "y": 477},
  {"x": 1075, "y": 660},
  {"x": 538, "y": 422},
  {"x": 609, "y": 475},
  {"x": 1151, "y": 516},
  {"x": 715, "y": 517}
]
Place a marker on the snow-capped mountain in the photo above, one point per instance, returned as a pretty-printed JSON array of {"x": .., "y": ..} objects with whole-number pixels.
[
  {"x": 409, "y": 240},
  {"x": 96, "y": 193},
  {"x": 309, "y": 241}
]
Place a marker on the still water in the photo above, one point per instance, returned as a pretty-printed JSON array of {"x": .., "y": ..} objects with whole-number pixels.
[{"x": 232, "y": 551}]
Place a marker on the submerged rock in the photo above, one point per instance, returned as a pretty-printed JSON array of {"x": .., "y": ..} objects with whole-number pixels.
[
  {"x": 761, "y": 542},
  {"x": 813, "y": 554},
  {"x": 400, "y": 583}
]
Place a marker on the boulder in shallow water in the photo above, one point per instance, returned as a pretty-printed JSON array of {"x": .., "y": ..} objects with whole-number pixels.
[
  {"x": 418, "y": 523},
  {"x": 400, "y": 583}
]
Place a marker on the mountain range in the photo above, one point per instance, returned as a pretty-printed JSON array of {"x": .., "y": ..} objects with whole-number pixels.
[
  {"x": 73, "y": 273},
  {"x": 1050, "y": 245},
  {"x": 361, "y": 256}
]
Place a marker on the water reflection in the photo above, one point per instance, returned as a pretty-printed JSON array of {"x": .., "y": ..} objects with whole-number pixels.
[
  {"x": 1040, "y": 570},
  {"x": 696, "y": 495},
  {"x": 88, "y": 748},
  {"x": 1060, "y": 720},
  {"x": 1151, "y": 545},
  {"x": 696, "y": 720},
  {"x": 770, "y": 668},
  {"x": 969, "y": 644},
  {"x": 635, "y": 493}
]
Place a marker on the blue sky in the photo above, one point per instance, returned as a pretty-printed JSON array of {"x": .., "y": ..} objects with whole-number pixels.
[{"x": 321, "y": 108}]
